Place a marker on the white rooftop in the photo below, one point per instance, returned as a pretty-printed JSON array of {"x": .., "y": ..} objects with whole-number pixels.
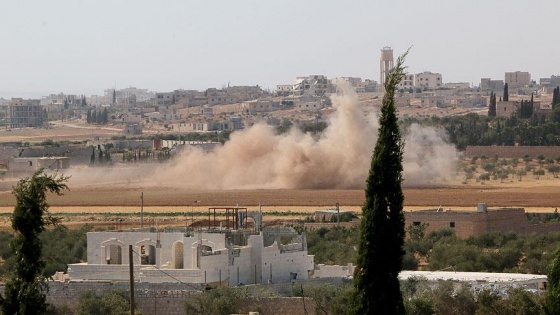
[{"x": 488, "y": 277}]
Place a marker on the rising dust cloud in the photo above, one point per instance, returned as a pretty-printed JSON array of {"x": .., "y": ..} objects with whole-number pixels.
[{"x": 258, "y": 158}]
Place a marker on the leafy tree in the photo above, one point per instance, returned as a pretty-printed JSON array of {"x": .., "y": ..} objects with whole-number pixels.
[
  {"x": 538, "y": 173},
  {"x": 417, "y": 296},
  {"x": 333, "y": 246},
  {"x": 447, "y": 301},
  {"x": 553, "y": 290},
  {"x": 330, "y": 299},
  {"x": 524, "y": 302},
  {"x": 554, "y": 169},
  {"x": 380, "y": 249},
  {"x": 223, "y": 300},
  {"x": 110, "y": 303},
  {"x": 25, "y": 290},
  {"x": 506, "y": 93},
  {"x": 484, "y": 176}
]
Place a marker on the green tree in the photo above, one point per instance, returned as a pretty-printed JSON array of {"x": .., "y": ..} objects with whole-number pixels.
[
  {"x": 554, "y": 169},
  {"x": 553, "y": 290},
  {"x": 25, "y": 290},
  {"x": 492, "y": 105},
  {"x": 110, "y": 303},
  {"x": 92, "y": 158},
  {"x": 380, "y": 249},
  {"x": 105, "y": 116},
  {"x": 506, "y": 93}
]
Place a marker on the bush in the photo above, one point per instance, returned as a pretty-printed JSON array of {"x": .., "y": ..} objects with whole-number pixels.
[{"x": 111, "y": 303}]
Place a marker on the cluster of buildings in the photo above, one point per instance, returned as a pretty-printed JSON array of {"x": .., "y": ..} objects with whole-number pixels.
[
  {"x": 236, "y": 250},
  {"x": 192, "y": 110}
]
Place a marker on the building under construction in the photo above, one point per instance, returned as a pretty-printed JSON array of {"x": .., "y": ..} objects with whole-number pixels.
[{"x": 226, "y": 252}]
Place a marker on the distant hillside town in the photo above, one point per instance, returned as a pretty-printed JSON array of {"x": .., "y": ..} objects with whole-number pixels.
[
  {"x": 229, "y": 107},
  {"x": 150, "y": 126}
]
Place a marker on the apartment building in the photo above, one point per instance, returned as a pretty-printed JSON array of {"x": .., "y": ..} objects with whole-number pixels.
[
  {"x": 26, "y": 113},
  {"x": 517, "y": 79},
  {"x": 487, "y": 84},
  {"x": 407, "y": 82},
  {"x": 428, "y": 80},
  {"x": 313, "y": 85}
]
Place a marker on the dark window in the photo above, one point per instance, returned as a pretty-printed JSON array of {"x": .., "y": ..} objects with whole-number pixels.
[
  {"x": 452, "y": 224},
  {"x": 416, "y": 223}
]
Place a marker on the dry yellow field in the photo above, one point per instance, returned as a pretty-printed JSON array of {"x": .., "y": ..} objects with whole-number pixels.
[{"x": 101, "y": 205}]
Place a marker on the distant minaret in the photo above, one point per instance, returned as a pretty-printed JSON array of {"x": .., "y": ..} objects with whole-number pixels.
[{"x": 385, "y": 64}]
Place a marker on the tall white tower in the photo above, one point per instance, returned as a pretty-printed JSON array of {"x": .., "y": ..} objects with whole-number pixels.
[{"x": 385, "y": 64}]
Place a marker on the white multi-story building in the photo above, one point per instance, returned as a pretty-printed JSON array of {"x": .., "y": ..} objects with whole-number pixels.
[
  {"x": 214, "y": 256},
  {"x": 428, "y": 80},
  {"x": 313, "y": 85}
]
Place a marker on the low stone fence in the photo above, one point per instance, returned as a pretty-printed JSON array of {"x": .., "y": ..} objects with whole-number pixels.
[{"x": 170, "y": 298}]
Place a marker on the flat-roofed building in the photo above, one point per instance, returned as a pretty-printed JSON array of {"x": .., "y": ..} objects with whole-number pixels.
[
  {"x": 428, "y": 80},
  {"x": 489, "y": 85},
  {"x": 517, "y": 79},
  {"x": 26, "y": 113}
]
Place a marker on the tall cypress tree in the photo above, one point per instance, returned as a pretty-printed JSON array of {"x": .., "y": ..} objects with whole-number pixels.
[
  {"x": 382, "y": 233},
  {"x": 492, "y": 106},
  {"x": 555, "y": 96},
  {"x": 506, "y": 93}
]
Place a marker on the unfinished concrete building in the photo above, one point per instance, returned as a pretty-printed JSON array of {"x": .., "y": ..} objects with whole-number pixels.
[
  {"x": 26, "y": 113},
  {"x": 226, "y": 253}
]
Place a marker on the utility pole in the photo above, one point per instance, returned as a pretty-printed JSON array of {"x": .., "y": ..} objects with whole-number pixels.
[
  {"x": 131, "y": 268},
  {"x": 142, "y": 210},
  {"x": 337, "y": 214}
]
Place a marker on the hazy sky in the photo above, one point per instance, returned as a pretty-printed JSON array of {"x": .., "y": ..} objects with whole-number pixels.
[{"x": 84, "y": 47}]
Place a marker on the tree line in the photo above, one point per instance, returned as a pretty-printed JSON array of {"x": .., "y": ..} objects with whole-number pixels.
[
  {"x": 473, "y": 129},
  {"x": 100, "y": 117}
]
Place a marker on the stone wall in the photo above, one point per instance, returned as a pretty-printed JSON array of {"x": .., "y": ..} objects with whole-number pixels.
[{"x": 170, "y": 298}]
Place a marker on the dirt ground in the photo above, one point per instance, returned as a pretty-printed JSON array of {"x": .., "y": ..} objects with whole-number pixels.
[
  {"x": 530, "y": 192},
  {"x": 119, "y": 206}
]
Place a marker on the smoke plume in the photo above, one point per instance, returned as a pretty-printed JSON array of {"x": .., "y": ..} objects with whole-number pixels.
[{"x": 339, "y": 158}]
